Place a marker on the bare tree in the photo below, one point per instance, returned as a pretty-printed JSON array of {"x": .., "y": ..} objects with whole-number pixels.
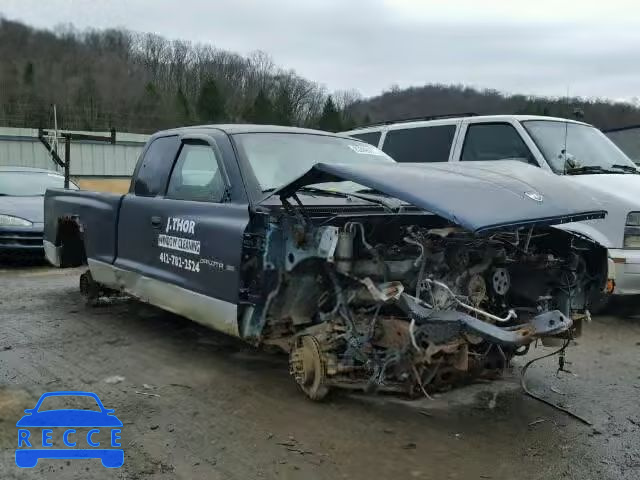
[{"x": 144, "y": 82}]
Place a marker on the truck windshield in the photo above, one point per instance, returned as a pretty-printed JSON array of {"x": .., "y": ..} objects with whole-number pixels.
[
  {"x": 576, "y": 147},
  {"x": 279, "y": 158},
  {"x": 30, "y": 184}
]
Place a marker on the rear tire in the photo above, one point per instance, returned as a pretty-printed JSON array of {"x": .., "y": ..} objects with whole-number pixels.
[{"x": 92, "y": 290}]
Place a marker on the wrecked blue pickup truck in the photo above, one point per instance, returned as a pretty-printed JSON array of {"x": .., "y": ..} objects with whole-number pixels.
[{"x": 371, "y": 275}]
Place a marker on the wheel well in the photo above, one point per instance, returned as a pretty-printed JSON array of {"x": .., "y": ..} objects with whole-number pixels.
[{"x": 71, "y": 242}]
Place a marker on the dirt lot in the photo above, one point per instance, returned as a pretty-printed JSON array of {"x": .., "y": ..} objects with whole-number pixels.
[{"x": 198, "y": 405}]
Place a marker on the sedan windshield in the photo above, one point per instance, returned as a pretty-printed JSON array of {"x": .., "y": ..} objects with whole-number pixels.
[
  {"x": 30, "y": 184},
  {"x": 576, "y": 147},
  {"x": 279, "y": 158}
]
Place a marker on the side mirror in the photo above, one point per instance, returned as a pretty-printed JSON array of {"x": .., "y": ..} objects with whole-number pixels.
[{"x": 29, "y": 410}]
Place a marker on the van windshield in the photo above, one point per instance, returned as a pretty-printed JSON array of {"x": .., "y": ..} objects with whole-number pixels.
[{"x": 577, "y": 148}]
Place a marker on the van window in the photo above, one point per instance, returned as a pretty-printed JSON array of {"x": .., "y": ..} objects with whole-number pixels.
[
  {"x": 151, "y": 177},
  {"x": 494, "y": 141},
  {"x": 370, "y": 137},
  {"x": 423, "y": 144}
]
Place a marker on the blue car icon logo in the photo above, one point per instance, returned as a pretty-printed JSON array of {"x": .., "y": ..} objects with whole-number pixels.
[{"x": 69, "y": 433}]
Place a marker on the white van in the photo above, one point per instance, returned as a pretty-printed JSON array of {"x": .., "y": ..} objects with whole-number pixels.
[{"x": 577, "y": 150}]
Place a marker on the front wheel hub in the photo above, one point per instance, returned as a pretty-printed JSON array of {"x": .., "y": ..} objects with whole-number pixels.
[{"x": 308, "y": 368}]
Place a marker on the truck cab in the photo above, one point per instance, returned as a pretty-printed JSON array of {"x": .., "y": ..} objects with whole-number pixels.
[{"x": 575, "y": 150}]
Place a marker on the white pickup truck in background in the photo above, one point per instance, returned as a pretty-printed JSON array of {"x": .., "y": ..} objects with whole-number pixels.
[{"x": 574, "y": 149}]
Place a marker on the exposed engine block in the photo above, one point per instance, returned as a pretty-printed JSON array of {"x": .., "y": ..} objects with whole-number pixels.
[{"x": 412, "y": 309}]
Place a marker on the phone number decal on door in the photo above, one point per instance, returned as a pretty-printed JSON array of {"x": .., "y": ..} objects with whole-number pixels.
[{"x": 180, "y": 262}]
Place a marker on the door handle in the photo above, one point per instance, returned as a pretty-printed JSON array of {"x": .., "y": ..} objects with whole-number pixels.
[{"x": 156, "y": 222}]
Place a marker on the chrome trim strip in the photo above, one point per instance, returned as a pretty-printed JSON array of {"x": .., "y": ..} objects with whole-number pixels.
[{"x": 208, "y": 311}]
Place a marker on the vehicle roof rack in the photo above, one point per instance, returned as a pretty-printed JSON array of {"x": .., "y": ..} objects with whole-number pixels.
[{"x": 419, "y": 119}]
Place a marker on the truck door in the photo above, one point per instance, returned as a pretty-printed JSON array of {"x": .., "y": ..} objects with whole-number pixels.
[
  {"x": 192, "y": 236},
  {"x": 134, "y": 234}
]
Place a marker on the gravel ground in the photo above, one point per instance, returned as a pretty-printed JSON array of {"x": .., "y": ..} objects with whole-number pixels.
[{"x": 196, "y": 404}]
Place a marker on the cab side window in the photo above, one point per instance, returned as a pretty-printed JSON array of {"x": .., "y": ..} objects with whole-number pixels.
[
  {"x": 151, "y": 177},
  {"x": 196, "y": 175},
  {"x": 494, "y": 141},
  {"x": 422, "y": 144}
]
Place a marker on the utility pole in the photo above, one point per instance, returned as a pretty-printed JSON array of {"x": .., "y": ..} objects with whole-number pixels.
[
  {"x": 55, "y": 125},
  {"x": 67, "y": 160}
]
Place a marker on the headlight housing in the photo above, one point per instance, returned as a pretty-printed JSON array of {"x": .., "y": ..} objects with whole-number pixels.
[
  {"x": 10, "y": 221},
  {"x": 632, "y": 231}
]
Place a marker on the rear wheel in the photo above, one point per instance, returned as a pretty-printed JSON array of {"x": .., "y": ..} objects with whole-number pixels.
[
  {"x": 88, "y": 287},
  {"x": 93, "y": 290}
]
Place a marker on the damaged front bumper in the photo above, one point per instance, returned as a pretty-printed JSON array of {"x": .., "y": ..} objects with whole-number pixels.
[
  {"x": 425, "y": 349},
  {"x": 445, "y": 325}
]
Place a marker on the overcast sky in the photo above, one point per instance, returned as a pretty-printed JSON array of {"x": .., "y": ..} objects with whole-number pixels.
[{"x": 533, "y": 46}]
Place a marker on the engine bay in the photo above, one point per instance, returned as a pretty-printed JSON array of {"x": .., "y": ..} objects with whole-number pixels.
[{"x": 408, "y": 303}]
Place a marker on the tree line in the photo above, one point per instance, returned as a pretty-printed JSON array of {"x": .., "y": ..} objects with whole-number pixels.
[
  {"x": 433, "y": 100},
  {"x": 143, "y": 82}
]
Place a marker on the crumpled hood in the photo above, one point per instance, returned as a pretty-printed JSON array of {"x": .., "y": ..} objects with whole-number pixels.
[
  {"x": 611, "y": 188},
  {"x": 478, "y": 196},
  {"x": 29, "y": 208}
]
